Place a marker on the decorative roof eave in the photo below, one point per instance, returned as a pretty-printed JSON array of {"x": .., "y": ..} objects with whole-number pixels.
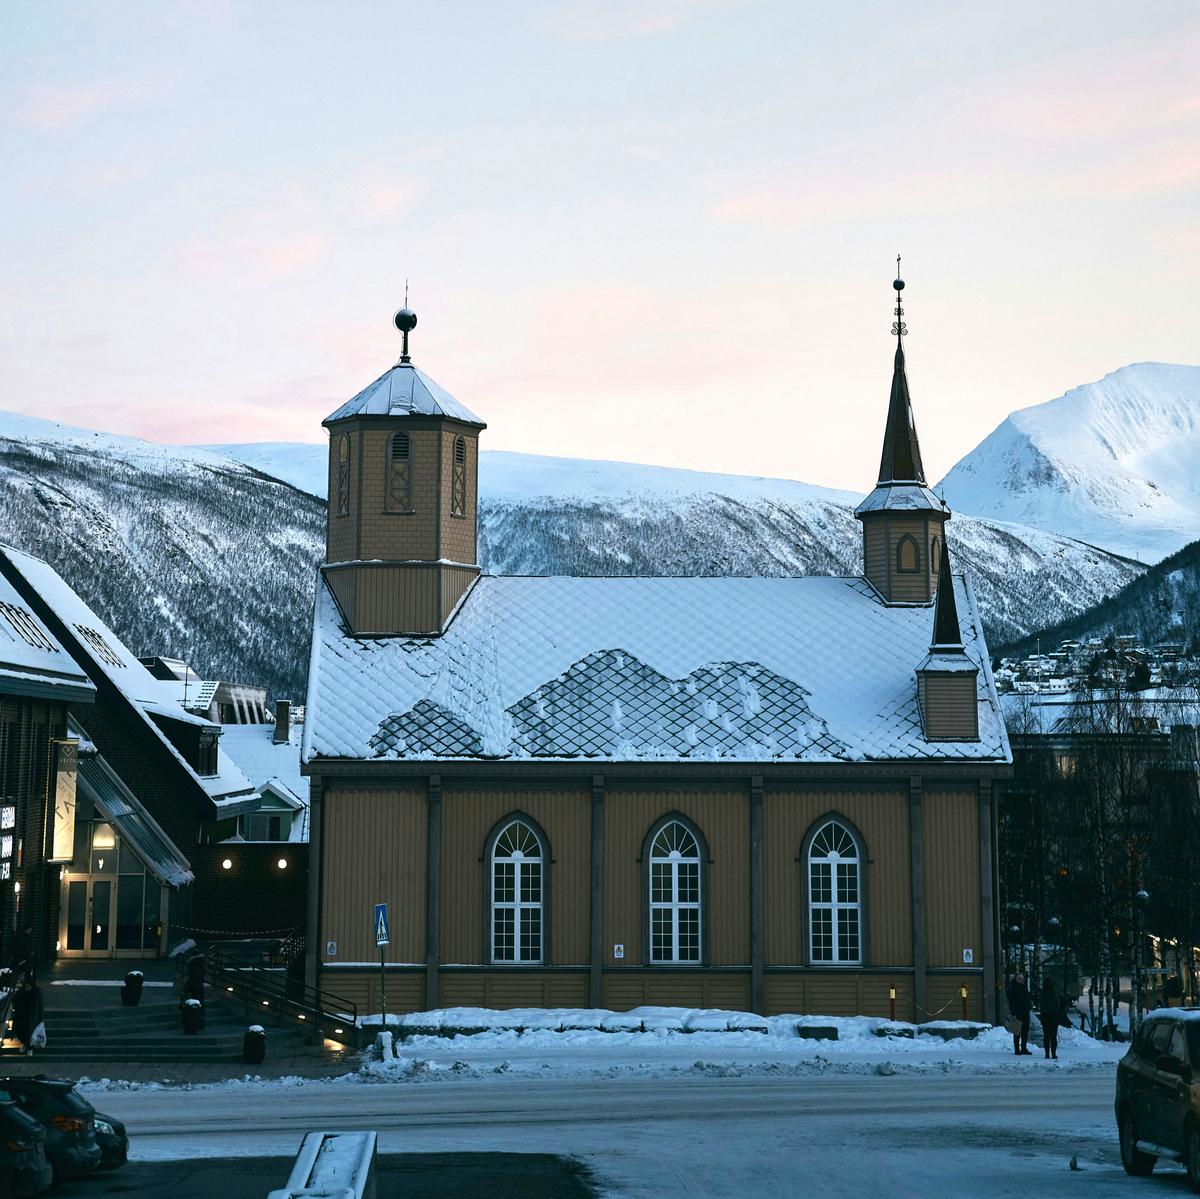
[
  {"x": 405, "y": 391},
  {"x": 902, "y": 498}
]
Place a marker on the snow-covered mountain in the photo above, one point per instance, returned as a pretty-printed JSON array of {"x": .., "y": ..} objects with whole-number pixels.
[
  {"x": 182, "y": 552},
  {"x": 1115, "y": 463},
  {"x": 542, "y": 515},
  {"x": 189, "y": 553}
]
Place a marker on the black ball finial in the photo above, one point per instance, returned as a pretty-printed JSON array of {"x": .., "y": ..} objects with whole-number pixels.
[
  {"x": 405, "y": 320},
  {"x": 898, "y": 284}
]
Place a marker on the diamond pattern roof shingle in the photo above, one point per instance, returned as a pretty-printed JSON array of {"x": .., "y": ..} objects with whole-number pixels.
[{"x": 815, "y": 669}]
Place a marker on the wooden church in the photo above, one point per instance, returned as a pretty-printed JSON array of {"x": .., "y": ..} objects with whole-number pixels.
[{"x": 767, "y": 794}]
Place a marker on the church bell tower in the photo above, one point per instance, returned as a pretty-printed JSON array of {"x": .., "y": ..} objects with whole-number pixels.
[
  {"x": 401, "y": 543},
  {"x": 902, "y": 520}
]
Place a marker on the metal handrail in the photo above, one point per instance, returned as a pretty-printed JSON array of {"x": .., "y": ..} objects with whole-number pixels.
[{"x": 260, "y": 986}]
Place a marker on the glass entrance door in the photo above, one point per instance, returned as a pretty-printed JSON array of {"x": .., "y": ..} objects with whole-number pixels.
[
  {"x": 88, "y": 916},
  {"x": 111, "y": 907}
]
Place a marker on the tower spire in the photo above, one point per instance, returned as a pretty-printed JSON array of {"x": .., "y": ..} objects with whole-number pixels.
[
  {"x": 901, "y": 459},
  {"x": 947, "y": 634}
]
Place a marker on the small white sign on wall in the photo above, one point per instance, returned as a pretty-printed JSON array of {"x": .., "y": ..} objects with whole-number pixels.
[
  {"x": 618, "y": 951},
  {"x": 331, "y": 949},
  {"x": 968, "y": 956}
]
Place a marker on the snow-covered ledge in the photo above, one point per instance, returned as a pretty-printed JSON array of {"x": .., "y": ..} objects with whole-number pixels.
[{"x": 337, "y": 1165}]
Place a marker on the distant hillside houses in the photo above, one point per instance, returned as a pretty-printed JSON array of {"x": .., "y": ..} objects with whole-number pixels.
[{"x": 1116, "y": 660}]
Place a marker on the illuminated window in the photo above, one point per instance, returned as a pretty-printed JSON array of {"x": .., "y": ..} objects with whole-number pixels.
[{"x": 908, "y": 555}]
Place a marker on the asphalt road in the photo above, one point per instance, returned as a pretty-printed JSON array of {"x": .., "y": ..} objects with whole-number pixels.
[
  {"x": 412, "y": 1176},
  {"x": 933, "y": 1136}
]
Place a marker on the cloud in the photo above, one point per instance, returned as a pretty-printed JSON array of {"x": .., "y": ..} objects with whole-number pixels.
[
  {"x": 390, "y": 200},
  {"x": 602, "y": 20},
  {"x": 50, "y": 108}
]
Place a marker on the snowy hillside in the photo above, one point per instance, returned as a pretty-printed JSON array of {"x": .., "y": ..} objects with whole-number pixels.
[
  {"x": 541, "y": 515},
  {"x": 1162, "y": 605},
  {"x": 1114, "y": 463},
  {"x": 182, "y": 552}
]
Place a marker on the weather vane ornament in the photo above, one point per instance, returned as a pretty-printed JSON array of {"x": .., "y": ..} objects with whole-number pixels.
[
  {"x": 899, "y": 328},
  {"x": 406, "y": 321}
]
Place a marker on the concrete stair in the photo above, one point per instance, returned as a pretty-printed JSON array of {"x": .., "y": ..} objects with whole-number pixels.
[{"x": 153, "y": 1033}]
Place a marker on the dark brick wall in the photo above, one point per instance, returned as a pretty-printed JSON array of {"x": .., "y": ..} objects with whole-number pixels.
[{"x": 254, "y": 896}]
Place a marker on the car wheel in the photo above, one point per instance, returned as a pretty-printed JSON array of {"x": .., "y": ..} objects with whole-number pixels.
[
  {"x": 1132, "y": 1158},
  {"x": 1191, "y": 1158}
]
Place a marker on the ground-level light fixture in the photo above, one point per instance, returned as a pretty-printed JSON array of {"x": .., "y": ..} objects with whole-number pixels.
[
  {"x": 227, "y": 864},
  {"x": 282, "y": 863}
]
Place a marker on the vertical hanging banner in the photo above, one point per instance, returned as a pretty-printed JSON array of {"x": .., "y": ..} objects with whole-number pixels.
[{"x": 62, "y": 800}]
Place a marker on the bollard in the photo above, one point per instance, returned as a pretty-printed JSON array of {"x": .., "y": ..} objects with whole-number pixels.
[
  {"x": 131, "y": 988},
  {"x": 191, "y": 1013},
  {"x": 892, "y": 1003},
  {"x": 254, "y": 1045},
  {"x": 963, "y": 993}
]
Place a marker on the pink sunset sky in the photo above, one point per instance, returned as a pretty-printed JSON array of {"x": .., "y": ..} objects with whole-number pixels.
[{"x": 659, "y": 231}]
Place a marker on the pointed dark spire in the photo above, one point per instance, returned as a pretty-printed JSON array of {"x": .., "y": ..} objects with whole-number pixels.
[
  {"x": 901, "y": 459},
  {"x": 947, "y": 635}
]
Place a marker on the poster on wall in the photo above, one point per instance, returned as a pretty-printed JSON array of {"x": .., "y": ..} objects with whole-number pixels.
[{"x": 62, "y": 799}]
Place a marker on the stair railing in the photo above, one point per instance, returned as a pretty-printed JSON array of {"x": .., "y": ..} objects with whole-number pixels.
[{"x": 268, "y": 992}]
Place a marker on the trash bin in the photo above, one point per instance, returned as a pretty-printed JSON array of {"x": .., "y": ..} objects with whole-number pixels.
[
  {"x": 191, "y": 1012},
  {"x": 254, "y": 1045},
  {"x": 131, "y": 989}
]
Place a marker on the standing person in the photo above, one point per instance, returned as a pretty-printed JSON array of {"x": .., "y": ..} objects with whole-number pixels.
[
  {"x": 27, "y": 1011},
  {"x": 1050, "y": 1014},
  {"x": 1019, "y": 1007}
]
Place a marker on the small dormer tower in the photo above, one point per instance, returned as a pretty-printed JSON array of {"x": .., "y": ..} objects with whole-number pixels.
[
  {"x": 401, "y": 544},
  {"x": 902, "y": 520},
  {"x": 947, "y": 679}
]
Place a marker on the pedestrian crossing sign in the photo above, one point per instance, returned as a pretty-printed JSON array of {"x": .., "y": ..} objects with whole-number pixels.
[{"x": 383, "y": 935}]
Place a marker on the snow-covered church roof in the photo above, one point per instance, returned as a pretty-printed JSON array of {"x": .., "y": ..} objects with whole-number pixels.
[
  {"x": 737, "y": 669},
  {"x": 405, "y": 391}
]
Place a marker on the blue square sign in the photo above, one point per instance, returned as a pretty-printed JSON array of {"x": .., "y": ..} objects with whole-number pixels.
[{"x": 383, "y": 935}]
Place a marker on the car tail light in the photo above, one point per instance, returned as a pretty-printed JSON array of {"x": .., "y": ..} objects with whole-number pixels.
[{"x": 71, "y": 1124}]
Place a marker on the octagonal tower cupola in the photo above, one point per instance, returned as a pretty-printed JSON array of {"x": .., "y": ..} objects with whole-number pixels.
[
  {"x": 902, "y": 519},
  {"x": 401, "y": 543}
]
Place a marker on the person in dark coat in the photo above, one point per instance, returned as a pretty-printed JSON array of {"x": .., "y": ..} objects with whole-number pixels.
[
  {"x": 1020, "y": 1004},
  {"x": 27, "y": 1011},
  {"x": 1050, "y": 1008}
]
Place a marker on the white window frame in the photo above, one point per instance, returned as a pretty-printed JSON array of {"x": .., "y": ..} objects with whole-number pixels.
[
  {"x": 833, "y": 858},
  {"x": 521, "y": 862},
  {"x": 674, "y": 859}
]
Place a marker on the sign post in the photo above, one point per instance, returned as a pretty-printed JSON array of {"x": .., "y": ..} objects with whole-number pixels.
[{"x": 383, "y": 938}]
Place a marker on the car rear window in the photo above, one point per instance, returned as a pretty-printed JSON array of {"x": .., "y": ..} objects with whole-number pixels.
[{"x": 16, "y": 1123}]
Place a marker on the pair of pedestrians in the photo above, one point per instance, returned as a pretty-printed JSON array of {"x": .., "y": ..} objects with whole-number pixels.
[{"x": 1020, "y": 1007}]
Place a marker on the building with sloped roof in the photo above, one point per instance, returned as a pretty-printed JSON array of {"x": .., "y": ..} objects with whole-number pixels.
[
  {"x": 39, "y": 685},
  {"x": 758, "y": 793},
  {"x": 142, "y": 864}
]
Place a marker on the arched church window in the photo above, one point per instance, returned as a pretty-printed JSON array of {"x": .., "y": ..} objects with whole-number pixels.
[
  {"x": 518, "y": 894},
  {"x": 343, "y": 476},
  {"x": 935, "y": 554},
  {"x": 834, "y": 896},
  {"x": 399, "y": 474},
  {"x": 458, "y": 485},
  {"x": 675, "y": 864},
  {"x": 908, "y": 554}
]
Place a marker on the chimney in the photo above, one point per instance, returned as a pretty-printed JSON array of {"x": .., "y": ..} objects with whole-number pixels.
[{"x": 283, "y": 721}]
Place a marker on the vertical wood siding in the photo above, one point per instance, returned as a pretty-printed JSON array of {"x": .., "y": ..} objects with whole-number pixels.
[
  {"x": 952, "y": 909},
  {"x": 949, "y": 706},
  {"x": 468, "y": 816},
  {"x": 881, "y": 816},
  {"x": 723, "y": 816},
  {"x": 374, "y": 853}
]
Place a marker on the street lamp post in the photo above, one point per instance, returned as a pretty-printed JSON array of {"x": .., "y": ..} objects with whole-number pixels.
[{"x": 1140, "y": 899}]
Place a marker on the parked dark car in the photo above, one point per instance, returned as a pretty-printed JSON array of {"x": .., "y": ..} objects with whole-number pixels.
[
  {"x": 1158, "y": 1094},
  {"x": 24, "y": 1167},
  {"x": 68, "y": 1118},
  {"x": 113, "y": 1141}
]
